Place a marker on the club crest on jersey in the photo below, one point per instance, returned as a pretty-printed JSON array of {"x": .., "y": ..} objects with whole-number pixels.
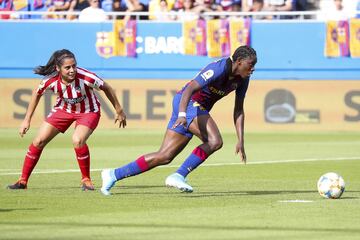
[
  {"x": 78, "y": 89},
  {"x": 207, "y": 75}
]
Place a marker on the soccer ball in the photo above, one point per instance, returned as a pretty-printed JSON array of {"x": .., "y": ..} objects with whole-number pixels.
[{"x": 331, "y": 185}]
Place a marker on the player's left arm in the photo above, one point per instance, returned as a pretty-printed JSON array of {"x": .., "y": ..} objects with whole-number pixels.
[
  {"x": 239, "y": 120},
  {"x": 111, "y": 95}
]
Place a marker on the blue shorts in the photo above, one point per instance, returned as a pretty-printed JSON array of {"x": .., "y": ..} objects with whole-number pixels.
[{"x": 192, "y": 111}]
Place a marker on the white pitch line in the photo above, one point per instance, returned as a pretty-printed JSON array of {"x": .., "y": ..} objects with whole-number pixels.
[
  {"x": 296, "y": 201},
  {"x": 286, "y": 161},
  {"x": 50, "y": 171}
]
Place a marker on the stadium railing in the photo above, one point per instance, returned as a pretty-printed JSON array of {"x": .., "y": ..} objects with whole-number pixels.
[{"x": 41, "y": 15}]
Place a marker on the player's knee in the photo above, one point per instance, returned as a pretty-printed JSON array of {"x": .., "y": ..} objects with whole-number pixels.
[
  {"x": 215, "y": 144},
  {"x": 39, "y": 143},
  {"x": 164, "y": 158},
  {"x": 77, "y": 142}
]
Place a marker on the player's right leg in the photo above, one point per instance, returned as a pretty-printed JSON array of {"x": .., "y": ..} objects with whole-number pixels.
[
  {"x": 173, "y": 144},
  {"x": 44, "y": 136}
]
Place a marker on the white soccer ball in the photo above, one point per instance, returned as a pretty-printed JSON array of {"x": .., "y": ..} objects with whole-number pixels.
[{"x": 331, "y": 185}]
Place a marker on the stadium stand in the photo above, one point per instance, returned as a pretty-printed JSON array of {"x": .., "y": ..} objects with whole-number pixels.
[{"x": 145, "y": 9}]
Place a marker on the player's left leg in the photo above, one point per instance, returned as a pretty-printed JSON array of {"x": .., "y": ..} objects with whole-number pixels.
[
  {"x": 205, "y": 128},
  {"x": 173, "y": 143},
  {"x": 85, "y": 126}
]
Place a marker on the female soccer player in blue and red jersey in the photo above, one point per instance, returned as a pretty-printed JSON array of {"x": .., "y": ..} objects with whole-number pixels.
[
  {"x": 76, "y": 102},
  {"x": 190, "y": 116}
]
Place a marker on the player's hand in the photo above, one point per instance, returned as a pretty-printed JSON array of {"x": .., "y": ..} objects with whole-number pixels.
[
  {"x": 240, "y": 149},
  {"x": 121, "y": 117},
  {"x": 24, "y": 127},
  {"x": 180, "y": 121}
]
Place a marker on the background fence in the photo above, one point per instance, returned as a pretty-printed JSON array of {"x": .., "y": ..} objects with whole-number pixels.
[{"x": 293, "y": 88}]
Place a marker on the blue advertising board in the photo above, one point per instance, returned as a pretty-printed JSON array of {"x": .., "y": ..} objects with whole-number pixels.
[{"x": 286, "y": 50}]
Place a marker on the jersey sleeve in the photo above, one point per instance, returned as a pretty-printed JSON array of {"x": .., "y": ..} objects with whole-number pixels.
[
  {"x": 208, "y": 74},
  {"x": 94, "y": 82},
  {"x": 41, "y": 88},
  {"x": 242, "y": 89},
  {"x": 46, "y": 83},
  {"x": 90, "y": 79}
]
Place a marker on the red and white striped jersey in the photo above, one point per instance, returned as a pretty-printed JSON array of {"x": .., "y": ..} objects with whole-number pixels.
[{"x": 76, "y": 97}]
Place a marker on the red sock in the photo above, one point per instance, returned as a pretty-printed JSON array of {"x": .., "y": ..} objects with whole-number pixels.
[
  {"x": 31, "y": 159},
  {"x": 142, "y": 164},
  {"x": 83, "y": 158}
]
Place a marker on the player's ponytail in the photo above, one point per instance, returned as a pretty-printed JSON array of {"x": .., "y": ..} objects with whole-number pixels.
[{"x": 56, "y": 59}]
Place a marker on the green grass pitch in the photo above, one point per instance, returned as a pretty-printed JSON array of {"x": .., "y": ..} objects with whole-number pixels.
[{"x": 274, "y": 196}]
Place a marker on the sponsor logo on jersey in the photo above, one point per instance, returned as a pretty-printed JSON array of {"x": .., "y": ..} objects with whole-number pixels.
[
  {"x": 217, "y": 91},
  {"x": 74, "y": 100}
]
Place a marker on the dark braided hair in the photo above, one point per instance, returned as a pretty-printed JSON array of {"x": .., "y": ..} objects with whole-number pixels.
[
  {"x": 243, "y": 52},
  {"x": 56, "y": 59}
]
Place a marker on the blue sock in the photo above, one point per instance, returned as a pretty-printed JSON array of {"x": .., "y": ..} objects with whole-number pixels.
[
  {"x": 196, "y": 158},
  {"x": 131, "y": 169}
]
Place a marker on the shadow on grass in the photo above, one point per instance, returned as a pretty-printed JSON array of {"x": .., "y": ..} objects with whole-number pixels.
[
  {"x": 97, "y": 187},
  {"x": 185, "y": 227},
  {"x": 53, "y": 188},
  {"x": 258, "y": 193},
  {"x": 201, "y": 193},
  {"x": 18, "y": 209},
  {"x": 142, "y": 190},
  {"x": 140, "y": 186},
  {"x": 243, "y": 193},
  {"x": 124, "y": 190},
  {"x": 153, "y": 190}
]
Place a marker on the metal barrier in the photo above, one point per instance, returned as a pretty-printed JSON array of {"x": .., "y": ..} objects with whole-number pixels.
[{"x": 293, "y": 15}]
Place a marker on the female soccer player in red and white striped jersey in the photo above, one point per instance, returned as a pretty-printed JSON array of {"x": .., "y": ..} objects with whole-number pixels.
[{"x": 76, "y": 102}]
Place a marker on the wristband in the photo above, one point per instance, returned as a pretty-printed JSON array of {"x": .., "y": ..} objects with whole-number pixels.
[{"x": 182, "y": 114}]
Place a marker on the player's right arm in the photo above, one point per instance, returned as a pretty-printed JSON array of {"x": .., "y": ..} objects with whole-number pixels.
[
  {"x": 34, "y": 101},
  {"x": 47, "y": 83}
]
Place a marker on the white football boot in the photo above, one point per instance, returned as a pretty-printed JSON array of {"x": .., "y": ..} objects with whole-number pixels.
[
  {"x": 108, "y": 181},
  {"x": 177, "y": 181}
]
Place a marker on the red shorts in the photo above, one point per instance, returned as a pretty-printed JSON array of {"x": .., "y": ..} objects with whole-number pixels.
[{"x": 62, "y": 120}]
